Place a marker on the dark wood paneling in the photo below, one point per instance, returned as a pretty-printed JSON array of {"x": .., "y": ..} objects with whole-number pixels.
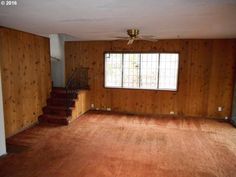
[
  {"x": 205, "y": 77},
  {"x": 25, "y": 67}
]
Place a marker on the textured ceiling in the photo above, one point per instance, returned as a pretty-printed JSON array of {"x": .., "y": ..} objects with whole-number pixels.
[{"x": 105, "y": 19}]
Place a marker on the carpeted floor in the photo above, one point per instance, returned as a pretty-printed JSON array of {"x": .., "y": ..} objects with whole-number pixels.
[{"x": 117, "y": 145}]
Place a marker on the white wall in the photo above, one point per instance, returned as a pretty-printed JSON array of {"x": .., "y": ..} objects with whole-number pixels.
[
  {"x": 234, "y": 105},
  {"x": 57, "y": 66},
  {"x": 57, "y": 50},
  {"x": 2, "y": 129}
]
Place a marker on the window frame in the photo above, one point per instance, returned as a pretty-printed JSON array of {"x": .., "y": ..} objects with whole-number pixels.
[{"x": 140, "y": 52}]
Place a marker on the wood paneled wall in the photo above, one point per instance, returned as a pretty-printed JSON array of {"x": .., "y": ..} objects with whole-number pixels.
[
  {"x": 26, "y": 77},
  {"x": 82, "y": 104},
  {"x": 205, "y": 82}
]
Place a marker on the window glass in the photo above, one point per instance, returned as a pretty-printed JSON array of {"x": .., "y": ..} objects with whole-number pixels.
[
  {"x": 168, "y": 71},
  {"x": 131, "y": 68},
  {"x": 157, "y": 71},
  {"x": 113, "y": 70},
  {"x": 149, "y": 71}
]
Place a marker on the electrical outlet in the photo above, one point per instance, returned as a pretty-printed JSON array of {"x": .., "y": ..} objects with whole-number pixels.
[
  {"x": 92, "y": 105},
  {"x": 172, "y": 112},
  {"x": 108, "y": 109},
  {"x": 220, "y": 108}
]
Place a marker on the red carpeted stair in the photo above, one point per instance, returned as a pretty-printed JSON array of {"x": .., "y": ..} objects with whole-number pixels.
[{"x": 59, "y": 107}]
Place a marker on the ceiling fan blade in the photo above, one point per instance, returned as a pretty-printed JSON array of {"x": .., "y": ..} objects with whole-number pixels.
[
  {"x": 121, "y": 37},
  {"x": 152, "y": 40},
  {"x": 130, "y": 41},
  {"x": 148, "y": 38}
]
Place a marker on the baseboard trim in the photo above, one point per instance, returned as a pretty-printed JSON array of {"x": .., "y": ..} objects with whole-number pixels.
[
  {"x": 233, "y": 122},
  {"x": 23, "y": 129},
  {"x": 159, "y": 115},
  {"x": 3, "y": 155}
]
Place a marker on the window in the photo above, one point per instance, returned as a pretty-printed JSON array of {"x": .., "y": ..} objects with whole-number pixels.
[
  {"x": 131, "y": 67},
  {"x": 113, "y": 70},
  {"x": 168, "y": 71},
  {"x": 156, "y": 71}
]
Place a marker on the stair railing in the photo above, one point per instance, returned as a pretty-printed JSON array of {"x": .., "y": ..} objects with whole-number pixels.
[{"x": 78, "y": 80}]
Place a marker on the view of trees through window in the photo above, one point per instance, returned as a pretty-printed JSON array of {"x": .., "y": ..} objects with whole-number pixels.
[{"x": 156, "y": 71}]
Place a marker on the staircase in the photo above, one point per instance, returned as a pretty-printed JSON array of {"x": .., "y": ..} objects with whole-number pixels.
[
  {"x": 59, "y": 106},
  {"x": 62, "y": 103}
]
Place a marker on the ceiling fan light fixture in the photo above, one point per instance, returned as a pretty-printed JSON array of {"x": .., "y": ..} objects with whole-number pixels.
[{"x": 133, "y": 33}]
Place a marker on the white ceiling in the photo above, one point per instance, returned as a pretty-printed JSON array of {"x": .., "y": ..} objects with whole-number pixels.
[{"x": 105, "y": 19}]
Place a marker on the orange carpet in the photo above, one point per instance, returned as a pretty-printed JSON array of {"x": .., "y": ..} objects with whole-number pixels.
[{"x": 118, "y": 145}]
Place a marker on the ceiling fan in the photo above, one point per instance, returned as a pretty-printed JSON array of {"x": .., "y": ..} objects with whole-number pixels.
[{"x": 134, "y": 35}]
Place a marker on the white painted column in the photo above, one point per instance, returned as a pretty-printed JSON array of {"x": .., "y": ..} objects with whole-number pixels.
[
  {"x": 2, "y": 128},
  {"x": 234, "y": 106}
]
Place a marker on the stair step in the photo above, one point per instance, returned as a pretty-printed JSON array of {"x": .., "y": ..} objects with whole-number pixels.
[
  {"x": 61, "y": 102},
  {"x": 64, "y": 95},
  {"x": 58, "y": 110},
  {"x": 60, "y": 107},
  {"x": 61, "y": 90},
  {"x": 58, "y": 88},
  {"x": 62, "y": 120}
]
